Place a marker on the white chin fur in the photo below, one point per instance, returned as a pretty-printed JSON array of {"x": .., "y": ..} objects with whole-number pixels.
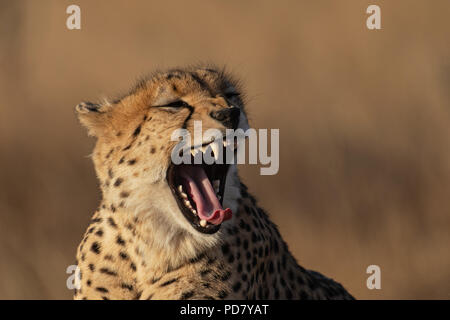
[{"x": 168, "y": 229}]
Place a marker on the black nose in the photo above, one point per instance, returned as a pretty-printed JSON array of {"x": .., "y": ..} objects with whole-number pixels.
[{"x": 229, "y": 117}]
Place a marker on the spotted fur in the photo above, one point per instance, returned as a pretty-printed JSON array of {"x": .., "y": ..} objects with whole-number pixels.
[{"x": 139, "y": 246}]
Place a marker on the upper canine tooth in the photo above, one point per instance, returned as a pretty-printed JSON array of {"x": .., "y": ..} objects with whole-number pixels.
[
  {"x": 180, "y": 188},
  {"x": 215, "y": 148},
  {"x": 194, "y": 151},
  {"x": 204, "y": 148}
]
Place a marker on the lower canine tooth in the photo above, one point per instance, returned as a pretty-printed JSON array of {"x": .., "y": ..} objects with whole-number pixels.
[{"x": 203, "y": 223}]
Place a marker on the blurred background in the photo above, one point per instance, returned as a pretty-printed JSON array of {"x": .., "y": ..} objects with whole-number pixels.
[{"x": 364, "y": 119}]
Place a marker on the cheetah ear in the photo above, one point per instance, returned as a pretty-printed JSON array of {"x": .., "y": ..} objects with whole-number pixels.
[{"x": 95, "y": 117}]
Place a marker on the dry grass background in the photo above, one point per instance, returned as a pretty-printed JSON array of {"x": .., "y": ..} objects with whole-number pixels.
[{"x": 364, "y": 119}]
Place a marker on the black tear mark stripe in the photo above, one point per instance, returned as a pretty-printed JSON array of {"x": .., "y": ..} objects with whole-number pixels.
[{"x": 191, "y": 111}]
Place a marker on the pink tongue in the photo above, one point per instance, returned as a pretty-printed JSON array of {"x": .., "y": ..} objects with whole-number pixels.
[{"x": 202, "y": 192}]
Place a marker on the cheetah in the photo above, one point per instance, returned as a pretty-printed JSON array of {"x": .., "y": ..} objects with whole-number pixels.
[{"x": 166, "y": 231}]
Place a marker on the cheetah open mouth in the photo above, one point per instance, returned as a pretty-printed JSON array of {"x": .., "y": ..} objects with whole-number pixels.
[{"x": 199, "y": 191}]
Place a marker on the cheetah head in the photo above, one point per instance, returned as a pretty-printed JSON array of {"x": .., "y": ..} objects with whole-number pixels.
[{"x": 132, "y": 155}]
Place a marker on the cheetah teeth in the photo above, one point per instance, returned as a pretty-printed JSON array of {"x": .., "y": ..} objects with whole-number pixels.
[
  {"x": 186, "y": 199},
  {"x": 194, "y": 151},
  {"x": 188, "y": 204},
  {"x": 216, "y": 185},
  {"x": 214, "y": 148}
]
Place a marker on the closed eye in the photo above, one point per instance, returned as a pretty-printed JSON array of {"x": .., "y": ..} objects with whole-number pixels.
[{"x": 176, "y": 104}]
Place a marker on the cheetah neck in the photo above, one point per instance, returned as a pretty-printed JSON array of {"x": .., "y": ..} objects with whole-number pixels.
[{"x": 248, "y": 259}]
